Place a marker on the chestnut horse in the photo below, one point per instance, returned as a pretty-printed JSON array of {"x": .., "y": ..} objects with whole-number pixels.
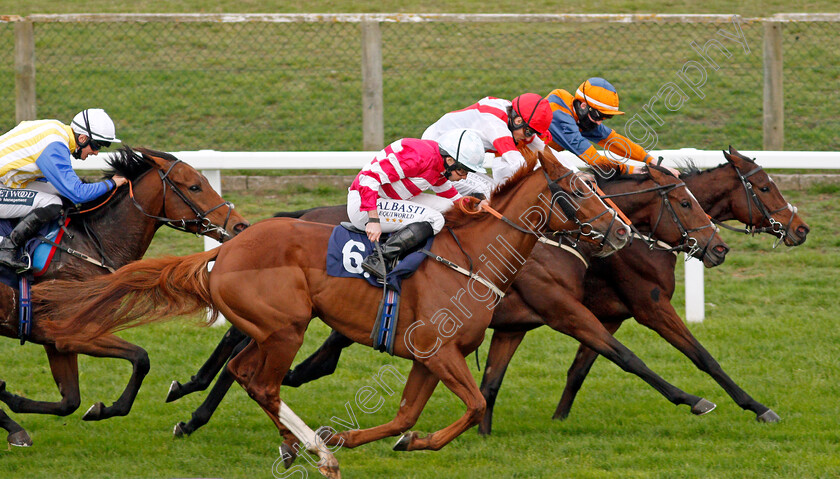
[
  {"x": 645, "y": 208},
  {"x": 162, "y": 190},
  {"x": 271, "y": 280}
]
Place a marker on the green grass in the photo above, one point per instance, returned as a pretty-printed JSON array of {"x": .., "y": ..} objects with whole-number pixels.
[{"x": 771, "y": 323}]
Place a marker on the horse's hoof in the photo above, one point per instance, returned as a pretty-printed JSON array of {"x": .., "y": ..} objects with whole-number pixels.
[
  {"x": 328, "y": 466},
  {"x": 703, "y": 406},
  {"x": 94, "y": 413},
  {"x": 288, "y": 454},
  {"x": 180, "y": 430},
  {"x": 174, "y": 392},
  {"x": 2, "y": 386},
  {"x": 404, "y": 441},
  {"x": 768, "y": 416},
  {"x": 19, "y": 439}
]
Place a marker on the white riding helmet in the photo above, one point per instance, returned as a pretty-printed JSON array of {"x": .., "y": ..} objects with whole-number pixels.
[
  {"x": 465, "y": 147},
  {"x": 96, "y": 124}
]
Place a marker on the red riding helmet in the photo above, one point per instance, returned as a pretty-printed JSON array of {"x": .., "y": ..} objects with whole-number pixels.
[{"x": 534, "y": 110}]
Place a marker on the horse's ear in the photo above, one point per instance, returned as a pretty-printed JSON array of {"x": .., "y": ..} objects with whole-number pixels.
[
  {"x": 657, "y": 173},
  {"x": 727, "y": 155},
  {"x": 160, "y": 163}
]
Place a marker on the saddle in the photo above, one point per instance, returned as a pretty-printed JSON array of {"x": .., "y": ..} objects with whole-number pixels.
[{"x": 347, "y": 248}]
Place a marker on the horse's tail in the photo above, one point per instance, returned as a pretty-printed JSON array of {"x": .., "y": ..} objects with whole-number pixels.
[{"x": 139, "y": 293}]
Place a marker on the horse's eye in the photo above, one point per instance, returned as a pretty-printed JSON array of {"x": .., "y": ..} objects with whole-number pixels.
[
  {"x": 195, "y": 188},
  {"x": 764, "y": 189},
  {"x": 685, "y": 204}
]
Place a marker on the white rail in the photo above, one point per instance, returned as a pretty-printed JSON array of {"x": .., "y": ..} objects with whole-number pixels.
[{"x": 211, "y": 163}]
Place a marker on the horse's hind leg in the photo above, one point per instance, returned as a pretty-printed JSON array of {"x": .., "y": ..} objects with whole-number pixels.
[
  {"x": 320, "y": 363},
  {"x": 110, "y": 346},
  {"x": 260, "y": 370},
  {"x": 17, "y": 435},
  {"x": 450, "y": 367},
  {"x": 65, "y": 371},
  {"x": 579, "y": 369},
  {"x": 502, "y": 347},
  {"x": 211, "y": 367},
  {"x": 418, "y": 389},
  {"x": 202, "y": 414}
]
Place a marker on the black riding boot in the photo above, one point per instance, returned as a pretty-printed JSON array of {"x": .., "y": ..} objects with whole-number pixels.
[
  {"x": 398, "y": 243},
  {"x": 26, "y": 228}
]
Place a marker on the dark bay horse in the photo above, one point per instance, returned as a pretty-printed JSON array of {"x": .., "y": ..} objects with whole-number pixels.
[
  {"x": 647, "y": 210},
  {"x": 737, "y": 190},
  {"x": 162, "y": 190},
  {"x": 270, "y": 281}
]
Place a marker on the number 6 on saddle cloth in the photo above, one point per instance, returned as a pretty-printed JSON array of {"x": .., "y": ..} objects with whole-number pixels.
[{"x": 346, "y": 250}]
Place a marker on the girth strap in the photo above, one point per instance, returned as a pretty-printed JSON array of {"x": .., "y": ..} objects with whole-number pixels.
[{"x": 463, "y": 271}]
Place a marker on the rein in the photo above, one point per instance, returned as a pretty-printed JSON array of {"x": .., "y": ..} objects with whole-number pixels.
[{"x": 688, "y": 244}]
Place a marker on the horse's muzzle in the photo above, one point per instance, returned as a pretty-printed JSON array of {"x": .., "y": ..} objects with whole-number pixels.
[{"x": 715, "y": 255}]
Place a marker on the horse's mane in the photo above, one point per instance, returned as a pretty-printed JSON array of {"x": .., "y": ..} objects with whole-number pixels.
[
  {"x": 455, "y": 216},
  {"x": 131, "y": 164},
  {"x": 688, "y": 167},
  {"x": 636, "y": 177}
]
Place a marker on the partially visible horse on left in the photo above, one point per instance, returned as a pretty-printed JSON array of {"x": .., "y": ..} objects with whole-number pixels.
[
  {"x": 271, "y": 280},
  {"x": 114, "y": 231}
]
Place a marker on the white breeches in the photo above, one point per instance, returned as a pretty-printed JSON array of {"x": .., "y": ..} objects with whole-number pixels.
[
  {"x": 396, "y": 214},
  {"x": 18, "y": 202}
]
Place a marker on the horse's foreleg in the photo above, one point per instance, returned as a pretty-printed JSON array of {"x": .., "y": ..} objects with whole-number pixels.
[
  {"x": 418, "y": 389},
  {"x": 451, "y": 368},
  {"x": 202, "y": 414},
  {"x": 320, "y": 363},
  {"x": 670, "y": 326},
  {"x": 223, "y": 352},
  {"x": 260, "y": 369},
  {"x": 65, "y": 371},
  {"x": 585, "y": 327},
  {"x": 110, "y": 346},
  {"x": 17, "y": 435},
  {"x": 584, "y": 359},
  {"x": 502, "y": 347}
]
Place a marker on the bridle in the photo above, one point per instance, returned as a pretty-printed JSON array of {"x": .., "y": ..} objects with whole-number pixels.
[
  {"x": 776, "y": 228},
  {"x": 688, "y": 243},
  {"x": 205, "y": 226},
  {"x": 584, "y": 230}
]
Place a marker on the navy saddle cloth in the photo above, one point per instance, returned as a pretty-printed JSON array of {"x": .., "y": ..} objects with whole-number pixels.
[{"x": 347, "y": 249}]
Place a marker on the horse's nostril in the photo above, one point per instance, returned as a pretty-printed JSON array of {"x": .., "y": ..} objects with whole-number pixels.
[
  {"x": 240, "y": 227},
  {"x": 803, "y": 230},
  {"x": 621, "y": 232},
  {"x": 721, "y": 249}
]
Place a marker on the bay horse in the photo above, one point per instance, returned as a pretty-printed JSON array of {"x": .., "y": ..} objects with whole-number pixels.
[
  {"x": 271, "y": 280},
  {"x": 635, "y": 282},
  {"x": 646, "y": 209},
  {"x": 162, "y": 191}
]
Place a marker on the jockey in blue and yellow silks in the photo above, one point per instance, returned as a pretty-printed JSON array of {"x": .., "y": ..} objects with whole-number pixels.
[
  {"x": 576, "y": 124},
  {"x": 36, "y": 170}
]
